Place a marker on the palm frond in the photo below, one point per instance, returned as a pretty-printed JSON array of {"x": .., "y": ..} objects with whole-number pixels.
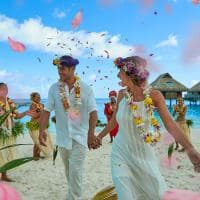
[
  {"x": 189, "y": 122},
  {"x": 107, "y": 193},
  {"x": 55, "y": 152},
  {"x": 15, "y": 163},
  {"x": 170, "y": 150},
  {"x": 14, "y": 145}
]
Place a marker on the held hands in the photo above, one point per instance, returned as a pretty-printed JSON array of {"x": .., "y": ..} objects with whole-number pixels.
[
  {"x": 93, "y": 141},
  {"x": 194, "y": 158}
]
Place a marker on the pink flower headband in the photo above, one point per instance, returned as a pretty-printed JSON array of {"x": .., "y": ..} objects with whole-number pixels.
[{"x": 135, "y": 67}]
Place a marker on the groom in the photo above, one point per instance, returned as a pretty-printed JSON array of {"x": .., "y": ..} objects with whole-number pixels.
[{"x": 76, "y": 117}]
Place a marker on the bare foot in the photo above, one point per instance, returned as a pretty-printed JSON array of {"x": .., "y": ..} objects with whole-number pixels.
[{"x": 36, "y": 158}]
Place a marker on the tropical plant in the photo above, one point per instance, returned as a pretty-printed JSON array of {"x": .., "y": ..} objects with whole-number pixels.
[
  {"x": 107, "y": 193},
  {"x": 189, "y": 123},
  {"x": 16, "y": 130}
]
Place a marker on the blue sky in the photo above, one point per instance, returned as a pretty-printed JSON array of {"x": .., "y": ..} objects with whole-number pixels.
[{"x": 126, "y": 23}]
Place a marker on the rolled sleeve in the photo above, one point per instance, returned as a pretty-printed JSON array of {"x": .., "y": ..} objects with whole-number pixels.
[
  {"x": 51, "y": 101},
  {"x": 91, "y": 103}
]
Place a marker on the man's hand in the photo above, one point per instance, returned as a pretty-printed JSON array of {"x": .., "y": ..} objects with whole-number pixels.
[
  {"x": 93, "y": 142},
  {"x": 43, "y": 138}
]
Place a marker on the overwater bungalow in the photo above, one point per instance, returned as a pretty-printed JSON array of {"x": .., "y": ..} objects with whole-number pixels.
[
  {"x": 169, "y": 87},
  {"x": 193, "y": 95}
]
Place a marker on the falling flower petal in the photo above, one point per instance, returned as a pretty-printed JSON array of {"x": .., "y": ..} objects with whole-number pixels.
[
  {"x": 74, "y": 115},
  {"x": 196, "y": 2},
  {"x": 7, "y": 192},
  {"x": 178, "y": 194},
  {"x": 168, "y": 8},
  {"x": 15, "y": 45},
  {"x": 167, "y": 138},
  {"x": 107, "y": 53},
  {"x": 77, "y": 19},
  {"x": 169, "y": 162},
  {"x": 191, "y": 51}
]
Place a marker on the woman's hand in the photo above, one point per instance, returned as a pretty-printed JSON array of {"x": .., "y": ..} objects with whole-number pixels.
[{"x": 194, "y": 158}]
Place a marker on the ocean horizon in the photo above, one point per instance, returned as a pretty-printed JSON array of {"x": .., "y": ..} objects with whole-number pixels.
[{"x": 193, "y": 111}]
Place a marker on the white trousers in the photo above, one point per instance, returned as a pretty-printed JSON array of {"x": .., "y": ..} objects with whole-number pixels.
[{"x": 73, "y": 161}]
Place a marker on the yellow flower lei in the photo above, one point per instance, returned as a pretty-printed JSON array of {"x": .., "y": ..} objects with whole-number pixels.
[
  {"x": 11, "y": 106},
  {"x": 63, "y": 95},
  {"x": 148, "y": 136}
]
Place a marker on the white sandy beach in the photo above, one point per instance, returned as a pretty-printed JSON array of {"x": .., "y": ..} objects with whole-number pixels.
[{"x": 42, "y": 181}]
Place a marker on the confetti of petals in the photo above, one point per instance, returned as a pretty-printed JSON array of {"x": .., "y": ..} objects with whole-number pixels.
[
  {"x": 167, "y": 139},
  {"x": 107, "y": 53},
  {"x": 74, "y": 115},
  {"x": 178, "y": 194},
  {"x": 146, "y": 4},
  {"x": 77, "y": 19},
  {"x": 169, "y": 162},
  {"x": 168, "y": 8},
  {"x": 6, "y": 192},
  {"x": 16, "y": 46},
  {"x": 196, "y": 2},
  {"x": 191, "y": 51}
]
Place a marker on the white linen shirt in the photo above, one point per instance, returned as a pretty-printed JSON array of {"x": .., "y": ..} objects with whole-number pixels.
[{"x": 67, "y": 129}]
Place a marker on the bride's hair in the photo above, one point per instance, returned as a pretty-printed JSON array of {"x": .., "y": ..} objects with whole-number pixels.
[{"x": 135, "y": 67}]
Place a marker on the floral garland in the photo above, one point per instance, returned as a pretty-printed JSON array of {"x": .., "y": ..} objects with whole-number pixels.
[
  {"x": 63, "y": 94},
  {"x": 148, "y": 136},
  {"x": 10, "y": 107},
  {"x": 39, "y": 106}
]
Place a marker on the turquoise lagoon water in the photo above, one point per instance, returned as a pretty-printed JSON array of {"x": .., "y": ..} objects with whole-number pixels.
[{"x": 193, "y": 112}]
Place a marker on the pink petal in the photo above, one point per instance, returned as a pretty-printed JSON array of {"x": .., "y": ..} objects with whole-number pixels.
[
  {"x": 191, "y": 51},
  {"x": 168, "y": 8},
  {"x": 146, "y": 4},
  {"x": 74, "y": 115},
  {"x": 8, "y": 193},
  {"x": 77, "y": 19},
  {"x": 195, "y": 2},
  {"x": 178, "y": 194},
  {"x": 167, "y": 138},
  {"x": 15, "y": 45},
  {"x": 169, "y": 163}
]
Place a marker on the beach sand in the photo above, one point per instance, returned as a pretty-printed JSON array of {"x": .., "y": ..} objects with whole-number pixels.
[{"x": 43, "y": 181}]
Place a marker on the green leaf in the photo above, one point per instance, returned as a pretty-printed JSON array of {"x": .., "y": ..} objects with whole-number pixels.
[
  {"x": 14, "y": 145},
  {"x": 4, "y": 117},
  {"x": 170, "y": 150},
  {"x": 189, "y": 122},
  {"x": 15, "y": 163},
  {"x": 55, "y": 152}
]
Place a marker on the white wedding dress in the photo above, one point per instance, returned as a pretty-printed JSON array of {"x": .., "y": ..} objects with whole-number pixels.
[{"x": 135, "y": 169}]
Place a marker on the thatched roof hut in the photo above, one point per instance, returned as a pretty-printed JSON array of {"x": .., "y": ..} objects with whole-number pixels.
[
  {"x": 169, "y": 87},
  {"x": 195, "y": 88},
  {"x": 193, "y": 95}
]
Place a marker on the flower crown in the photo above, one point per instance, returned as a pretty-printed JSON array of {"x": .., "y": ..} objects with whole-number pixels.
[
  {"x": 66, "y": 61},
  {"x": 135, "y": 67}
]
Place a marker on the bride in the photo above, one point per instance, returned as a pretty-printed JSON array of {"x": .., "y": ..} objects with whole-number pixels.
[{"x": 135, "y": 170}]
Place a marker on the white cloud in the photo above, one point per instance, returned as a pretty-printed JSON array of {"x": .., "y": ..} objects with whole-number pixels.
[
  {"x": 59, "y": 14},
  {"x": 20, "y": 85},
  {"x": 170, "y": 41},
  {"x": 35, "y": 35}
]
